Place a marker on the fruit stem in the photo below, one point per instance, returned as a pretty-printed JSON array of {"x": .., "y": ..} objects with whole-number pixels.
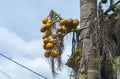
[{"x": 58, "y": 15}]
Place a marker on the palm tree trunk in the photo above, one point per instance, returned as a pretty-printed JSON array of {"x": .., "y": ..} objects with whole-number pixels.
[{"x": 88, "y": 7}]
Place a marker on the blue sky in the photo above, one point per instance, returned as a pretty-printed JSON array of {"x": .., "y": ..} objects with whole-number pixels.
[
  {"x": 24, "y": 16},
  {"x": 20, "y": 38}
]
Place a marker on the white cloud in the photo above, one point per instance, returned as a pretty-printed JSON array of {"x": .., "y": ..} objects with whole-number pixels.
[
  {"x": 29, "y": 54},
  {"x": 14, "y": 45}
]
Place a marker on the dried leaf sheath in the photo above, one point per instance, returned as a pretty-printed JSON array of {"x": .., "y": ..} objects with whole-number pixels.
[
  {"x": 53, "y": 67},
  {"x": 58, "y": 44}
]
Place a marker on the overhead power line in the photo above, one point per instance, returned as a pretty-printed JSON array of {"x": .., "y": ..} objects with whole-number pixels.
[
  {"x": 23, "y": 66},
  {"x": 6, "y": 74}
]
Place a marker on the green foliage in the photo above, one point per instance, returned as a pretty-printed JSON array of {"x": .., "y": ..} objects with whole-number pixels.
[
  {"x": 104, "y": 1},
  {"x": 117, "y": 8},
  {"x": 117, "y": 62},
  {"x": 71, "y": 76},
  {"x": 84, "y": 76}
]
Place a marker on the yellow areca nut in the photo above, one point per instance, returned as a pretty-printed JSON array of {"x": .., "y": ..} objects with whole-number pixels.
[{"x": 77, "y": 58}]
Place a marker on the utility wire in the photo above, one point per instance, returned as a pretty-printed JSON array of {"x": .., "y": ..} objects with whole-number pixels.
[
  {"x": 23, "y": 66},
  {"x": 6, "y": 74}
]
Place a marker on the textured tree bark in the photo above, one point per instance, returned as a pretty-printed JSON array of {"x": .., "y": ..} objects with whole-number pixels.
[{"x": 88, "y": 7}]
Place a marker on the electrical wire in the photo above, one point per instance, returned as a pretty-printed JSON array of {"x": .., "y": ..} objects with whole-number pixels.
[
  {"x": 6, "y": 74},
  {"x": 23, "y": 66}
]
